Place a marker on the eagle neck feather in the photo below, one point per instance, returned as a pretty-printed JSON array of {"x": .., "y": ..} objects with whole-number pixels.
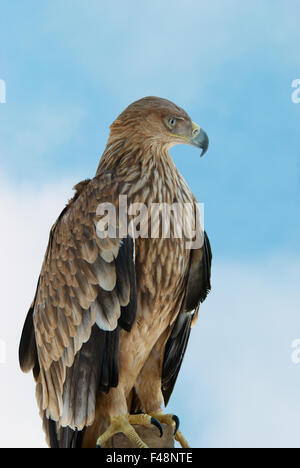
[{"x": 149, "y": 162}]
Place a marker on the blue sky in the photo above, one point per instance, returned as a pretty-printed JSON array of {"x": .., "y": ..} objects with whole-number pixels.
[{"x": 71, "y": 67}]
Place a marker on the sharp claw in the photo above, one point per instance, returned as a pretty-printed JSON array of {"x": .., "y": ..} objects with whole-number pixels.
[
  {"x": 177, "y": 423},
  {"x": 156, "y": 423}
]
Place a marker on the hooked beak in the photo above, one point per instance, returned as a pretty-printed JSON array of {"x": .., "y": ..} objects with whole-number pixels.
[{"x": 199, "y": 138}]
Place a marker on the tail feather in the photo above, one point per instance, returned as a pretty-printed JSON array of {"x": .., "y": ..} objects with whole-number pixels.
[{"x": 63, "y": 437}]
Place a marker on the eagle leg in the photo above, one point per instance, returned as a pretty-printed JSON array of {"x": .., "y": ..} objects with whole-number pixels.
[
  {"x": 173, "y": 421},
  {"x": 125, "y": 424}
]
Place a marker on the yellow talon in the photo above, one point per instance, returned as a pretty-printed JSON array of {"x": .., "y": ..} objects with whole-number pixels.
[
  {"x": 125, "y": 424},
  {"x": 181, "y": 439}
]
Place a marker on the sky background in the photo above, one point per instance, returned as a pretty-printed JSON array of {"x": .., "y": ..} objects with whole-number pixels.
[{"x": 70, "y": 68}]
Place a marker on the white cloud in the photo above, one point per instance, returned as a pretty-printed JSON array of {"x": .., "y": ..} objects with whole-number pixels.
[{"x": 238, "y": 386}]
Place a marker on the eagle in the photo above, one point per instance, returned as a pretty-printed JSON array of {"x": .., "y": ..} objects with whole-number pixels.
[{"x": 109, "y": 325}]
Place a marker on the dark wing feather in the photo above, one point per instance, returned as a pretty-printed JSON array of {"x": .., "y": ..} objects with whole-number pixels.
[
  {"x": 126, "y": 274},
  {"x": 198, "y": 287},
  {"x": 28, "y": 357},
  {"x": 174, "y": 353}
]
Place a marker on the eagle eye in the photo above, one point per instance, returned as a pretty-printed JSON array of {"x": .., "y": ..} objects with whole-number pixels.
[{"x": 172, "y": 122}]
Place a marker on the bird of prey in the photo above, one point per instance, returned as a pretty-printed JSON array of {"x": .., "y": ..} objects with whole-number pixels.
[{"x": 108, "y": 328}]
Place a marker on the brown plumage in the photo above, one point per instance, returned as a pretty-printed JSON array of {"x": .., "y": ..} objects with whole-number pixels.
[{"x": 110, "y": 321}]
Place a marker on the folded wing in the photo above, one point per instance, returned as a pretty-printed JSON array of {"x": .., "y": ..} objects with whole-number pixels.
[{"x": 86, "y": 294}]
